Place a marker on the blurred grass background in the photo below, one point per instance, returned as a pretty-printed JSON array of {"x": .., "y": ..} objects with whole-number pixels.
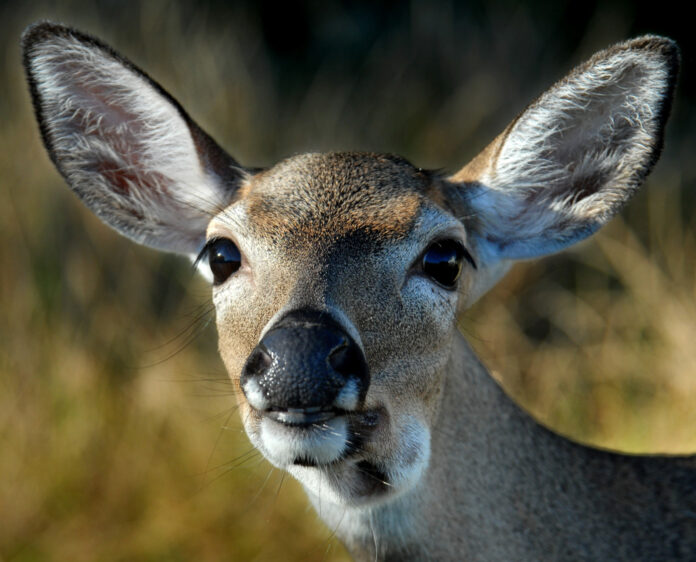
[{"x": 118, "y": 434}]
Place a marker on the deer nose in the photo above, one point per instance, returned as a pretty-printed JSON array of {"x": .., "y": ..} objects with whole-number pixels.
[{"x": 305, "y": 369}]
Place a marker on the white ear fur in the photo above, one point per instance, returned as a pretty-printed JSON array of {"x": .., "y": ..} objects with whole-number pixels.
[
  {"x": 123, "y": 144},
  {"x": 567, "y": 164}
]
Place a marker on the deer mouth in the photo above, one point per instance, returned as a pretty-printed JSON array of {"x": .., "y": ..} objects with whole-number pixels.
[
  {"x": 369, "y": 477},
  {"x": 312, "y": 437},
  {"x": 358, "y": 457},
  {"x": 303, "y": 417}
]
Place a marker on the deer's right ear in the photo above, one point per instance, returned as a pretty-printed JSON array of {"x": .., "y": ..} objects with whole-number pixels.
[
  {"x": 569, "y": 162},
  {"x": 124, "y": 145}
]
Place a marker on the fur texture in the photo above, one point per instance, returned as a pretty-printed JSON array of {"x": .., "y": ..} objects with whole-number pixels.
[{"x": 569, "y": 162}]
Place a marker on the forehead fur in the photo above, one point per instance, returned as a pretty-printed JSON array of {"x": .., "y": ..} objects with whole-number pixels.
[{"x": 332, "y": 195}]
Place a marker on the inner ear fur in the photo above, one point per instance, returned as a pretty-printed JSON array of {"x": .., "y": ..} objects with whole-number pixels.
[
  {"x": 124, "y": 145},
  {"x": 573, "y": 157}
]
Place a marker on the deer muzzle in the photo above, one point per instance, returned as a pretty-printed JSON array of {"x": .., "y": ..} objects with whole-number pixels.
[{"x": 305, "y": 370}]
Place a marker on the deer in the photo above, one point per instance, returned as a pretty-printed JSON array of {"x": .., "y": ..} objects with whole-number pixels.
[{"x": 338, "y": 280}]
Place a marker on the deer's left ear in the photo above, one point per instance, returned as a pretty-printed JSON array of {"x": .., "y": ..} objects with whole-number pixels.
[{"x": 569, "y": 162}]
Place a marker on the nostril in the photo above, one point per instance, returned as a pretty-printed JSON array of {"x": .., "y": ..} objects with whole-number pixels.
[
  {"x": 258, "y": 363},
  {"x": 347, "y": 360},
  {"x": 338, "y": 357}
]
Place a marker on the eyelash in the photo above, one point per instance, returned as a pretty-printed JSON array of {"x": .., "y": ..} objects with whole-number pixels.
[{"x": 204, "y": 251}]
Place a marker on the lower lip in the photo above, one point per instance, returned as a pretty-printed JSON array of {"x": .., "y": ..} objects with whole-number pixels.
[{"x": 301, "y": 417}]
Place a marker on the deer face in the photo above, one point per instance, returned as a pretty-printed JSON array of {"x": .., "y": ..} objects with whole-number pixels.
[{"x": 338, "y": 315}]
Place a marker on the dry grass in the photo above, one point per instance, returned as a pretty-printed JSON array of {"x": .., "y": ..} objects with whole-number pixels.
[{"x": 112, "y": 450}]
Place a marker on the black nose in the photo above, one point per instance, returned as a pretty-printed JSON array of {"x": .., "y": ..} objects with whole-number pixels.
[{"x": 306, "y": 362}]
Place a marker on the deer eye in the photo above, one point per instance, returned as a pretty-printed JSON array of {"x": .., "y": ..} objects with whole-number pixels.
[
  {"x": 224, "y": 259},
  {"x": 442, "y": 262}
]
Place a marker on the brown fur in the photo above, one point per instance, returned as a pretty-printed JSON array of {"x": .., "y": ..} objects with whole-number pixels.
[
  {"x": 483, "y": 162},
  {"x": 325, "y": 196}
]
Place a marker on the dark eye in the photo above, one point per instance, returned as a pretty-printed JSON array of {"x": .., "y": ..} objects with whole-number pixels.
[
  {"x": 443, "y": 262},
  {"x": 224, "y": 259}
]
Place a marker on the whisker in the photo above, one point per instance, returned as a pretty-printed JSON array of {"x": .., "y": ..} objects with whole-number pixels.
[
  {"x": 233, "y": 462},
  {"x": 189, "y": 336},
  {"x": 261, "y": 488},
  {"x": 217, "y": 439}
]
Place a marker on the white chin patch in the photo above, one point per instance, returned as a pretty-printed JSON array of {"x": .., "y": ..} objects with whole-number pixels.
[
  {"x": 321, "y": 443},
  {"x": 348, "y": 484},
  {"x": 413, "y": 457}
]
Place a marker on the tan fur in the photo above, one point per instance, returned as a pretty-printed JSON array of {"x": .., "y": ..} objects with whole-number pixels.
[
  {"x": 483, "y": 162},
  {"x": 332, "y": 195}
]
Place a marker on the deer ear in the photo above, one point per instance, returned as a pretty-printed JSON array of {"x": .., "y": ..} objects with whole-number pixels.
[
  {"x": 569, "y": 162},
  {"x": 124, "y": 145}
]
